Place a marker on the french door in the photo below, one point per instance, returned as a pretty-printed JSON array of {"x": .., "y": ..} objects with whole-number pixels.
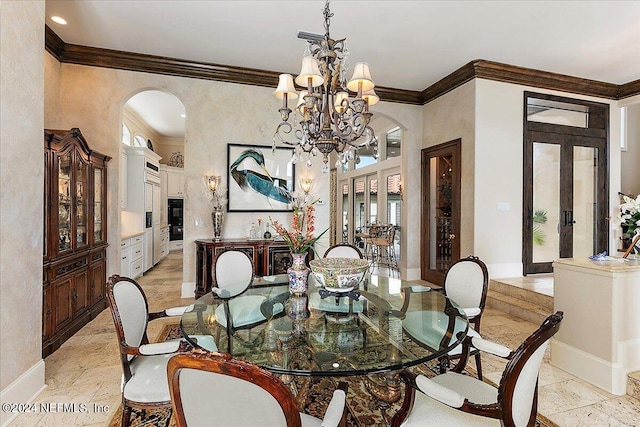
[
  {"x": 565, "y": 194},
  {"x": 440, "y": 228}
]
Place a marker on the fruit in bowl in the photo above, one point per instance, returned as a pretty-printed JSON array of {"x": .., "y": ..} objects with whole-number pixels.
[{"x": 339, "y": 274}]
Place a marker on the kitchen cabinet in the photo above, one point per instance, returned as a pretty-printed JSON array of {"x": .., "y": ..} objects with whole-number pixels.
[
  {"x": 75, "y": 224},
  {"x": 175, "y": 183}
]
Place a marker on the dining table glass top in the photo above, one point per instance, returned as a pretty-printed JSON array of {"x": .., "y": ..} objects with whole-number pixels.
[{"x": 392, "y": 325}]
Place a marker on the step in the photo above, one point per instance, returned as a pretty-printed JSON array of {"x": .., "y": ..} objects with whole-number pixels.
[
  {"x": 516, "y": 301},
  {"x": 523, "y": 288},
  {"x": 633, "y": 385}
]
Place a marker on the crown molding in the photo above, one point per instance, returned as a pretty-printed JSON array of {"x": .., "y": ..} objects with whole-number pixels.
[
  {"x": 108, "y": 58},
  {"x": 629, "y": 89},
  {"x": 543, "y": 79}
]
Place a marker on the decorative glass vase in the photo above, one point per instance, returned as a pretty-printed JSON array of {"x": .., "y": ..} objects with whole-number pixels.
[
  {"x": 298, "y": 274},
  {"x": 217, "y": 216}
]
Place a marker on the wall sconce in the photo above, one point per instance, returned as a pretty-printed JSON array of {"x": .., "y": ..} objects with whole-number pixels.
[
  {"x": 401, "y": 194},
  {"x": 213, "y": 182},
  {"x": 306, "y": 184}
]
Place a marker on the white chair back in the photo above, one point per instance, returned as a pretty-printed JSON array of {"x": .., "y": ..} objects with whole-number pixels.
[
  {"x": 132, "y": 309},
  {"x": 464, "y": 283},
  {"x": 525, "y": 388},
  {"x": 343, "y": 251},
  {"x": 232, "y": 401},
  {"x": 232, "y": 267}
]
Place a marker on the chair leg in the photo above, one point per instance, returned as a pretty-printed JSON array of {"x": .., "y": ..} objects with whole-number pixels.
[
  {"x": 443, "y": 364},
  {"x": 479, "y": 366},
  {"x": 126, "y": 415}
]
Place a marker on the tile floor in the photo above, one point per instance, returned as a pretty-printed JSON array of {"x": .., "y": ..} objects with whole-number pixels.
[{"x": 86, "y": 369}]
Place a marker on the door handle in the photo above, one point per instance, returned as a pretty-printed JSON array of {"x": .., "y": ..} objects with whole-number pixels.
[
  {"x": 568, "y": 218},
  {"x": 452, "y": 236}
]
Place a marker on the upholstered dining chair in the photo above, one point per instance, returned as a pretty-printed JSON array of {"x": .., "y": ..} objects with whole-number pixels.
[
  {"x": 466, "y": 283},
  {"x": 144, "y": 383},
  {"x": 233, "y": 270},
  {"x": 343, "y": 250},
  {"x": 236, "y": 393},
  {"x": 456, "y": 399}
]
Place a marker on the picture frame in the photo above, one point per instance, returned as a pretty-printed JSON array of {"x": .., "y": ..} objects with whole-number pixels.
[{"x": 259, "y": 179}]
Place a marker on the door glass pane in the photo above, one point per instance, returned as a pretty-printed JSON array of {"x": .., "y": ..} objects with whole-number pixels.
[
  {"x": 559, "y": 113},
  {"x": 546, "y": 202},
  {"x": 584, "y": 200},
  {"x": 440, "y": 204},
  {"x": 97, "y": 205},
  {"x": 394, "y": 207},
  {"x": 345, "y": 212},
  {"x": 359, "y": 219},
  {"x": 64, "y": 202},
  {"x": 373, "y": 200},
  {"x": 81, "y": 202}
]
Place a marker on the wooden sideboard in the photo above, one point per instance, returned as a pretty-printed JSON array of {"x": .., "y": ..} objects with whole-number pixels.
[{"x": 269, "y": 257}]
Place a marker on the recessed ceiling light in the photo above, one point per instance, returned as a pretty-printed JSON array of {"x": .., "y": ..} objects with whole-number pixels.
[
  {"x": 59, "y": 20},
  {"x": 183, "y": 115}
]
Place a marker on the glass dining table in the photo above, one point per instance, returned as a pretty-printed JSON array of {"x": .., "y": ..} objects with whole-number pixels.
[{"x": 387, "y": 325}]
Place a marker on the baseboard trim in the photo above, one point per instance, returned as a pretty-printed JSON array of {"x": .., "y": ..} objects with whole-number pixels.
[
  {"x": 611, "y": 377},
  {"x": 23, "y": 390},
  {"x": 188, "y": 289}
]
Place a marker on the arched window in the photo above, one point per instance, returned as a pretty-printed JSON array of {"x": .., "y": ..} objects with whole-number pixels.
[
  {"x": 126, "y": 135},
  {"x": 139, "y": 141}
]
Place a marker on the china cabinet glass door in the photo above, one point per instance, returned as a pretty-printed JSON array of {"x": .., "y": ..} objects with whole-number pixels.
[
  {"x": 98, "y": 232},
  {"x": 64, "y": 202},
  {"x": 82, "y": 173}
]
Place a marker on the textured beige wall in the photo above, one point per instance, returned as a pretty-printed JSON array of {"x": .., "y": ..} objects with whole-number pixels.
[
  {"x": 217, "y": 113},
  {"x": 21, "y": 178},
  {"x": 450, "y": 117}
]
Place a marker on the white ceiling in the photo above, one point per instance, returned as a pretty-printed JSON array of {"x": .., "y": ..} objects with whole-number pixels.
[
  {"x": 408, "y": 44},
  {"x": 162, "y": 111}
]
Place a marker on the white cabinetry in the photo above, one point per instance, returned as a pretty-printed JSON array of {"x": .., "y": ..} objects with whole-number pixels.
[
  {"x": 164, "y": 241},
  {"x": 131, "y": 256},
  {"x": 175, "y": 183},
  {"x": 125, "y": 258},
  {"x": 142, "y": 214}
]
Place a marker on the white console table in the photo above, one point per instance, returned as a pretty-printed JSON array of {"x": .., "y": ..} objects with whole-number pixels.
[{"x": 599, "y": 338}]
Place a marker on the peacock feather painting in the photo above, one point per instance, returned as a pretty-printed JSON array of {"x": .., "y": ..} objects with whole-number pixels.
[{"x": 259, "y": 178}]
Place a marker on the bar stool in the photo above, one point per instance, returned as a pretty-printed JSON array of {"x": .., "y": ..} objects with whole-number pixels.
[{"x": 383, "y": 249}]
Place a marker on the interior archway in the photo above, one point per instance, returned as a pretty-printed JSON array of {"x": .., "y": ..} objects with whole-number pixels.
[{"x": 151, "y": 178}]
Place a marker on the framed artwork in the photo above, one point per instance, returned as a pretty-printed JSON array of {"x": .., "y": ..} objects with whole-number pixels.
[{"x": 260, "y": 180}]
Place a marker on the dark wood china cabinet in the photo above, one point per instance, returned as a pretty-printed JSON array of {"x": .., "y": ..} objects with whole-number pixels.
[{"x": 75, "y": 235}]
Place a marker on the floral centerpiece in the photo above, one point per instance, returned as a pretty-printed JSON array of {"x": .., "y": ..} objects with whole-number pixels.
[
  {"x": 630, "y": 215},
  {"x": 299, "y": 239}
]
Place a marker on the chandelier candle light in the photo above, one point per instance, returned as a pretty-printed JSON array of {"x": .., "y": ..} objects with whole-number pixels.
[{"x": 327, "y": 118}]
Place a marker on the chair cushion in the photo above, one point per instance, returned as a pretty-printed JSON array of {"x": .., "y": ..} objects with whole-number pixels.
[
  {"x": 245, "y": 310},
  {"x": 458, "y": 349},
  {"x": 149, "y": 381},
  {"x": 430, "y": 412},
  {"x": 470, "y": 387}
]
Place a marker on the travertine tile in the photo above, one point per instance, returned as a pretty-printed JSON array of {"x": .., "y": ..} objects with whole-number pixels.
[{"x": 566, "y": 395}]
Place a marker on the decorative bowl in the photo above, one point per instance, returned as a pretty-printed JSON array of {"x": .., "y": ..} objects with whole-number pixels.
[{"x": 339, "y": 274}]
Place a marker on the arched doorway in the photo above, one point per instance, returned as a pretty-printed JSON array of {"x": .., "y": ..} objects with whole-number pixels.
[{"x": 151, "y": 178}]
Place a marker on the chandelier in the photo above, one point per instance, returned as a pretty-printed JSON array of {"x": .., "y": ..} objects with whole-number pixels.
[{"x": 327, "y": 117}]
